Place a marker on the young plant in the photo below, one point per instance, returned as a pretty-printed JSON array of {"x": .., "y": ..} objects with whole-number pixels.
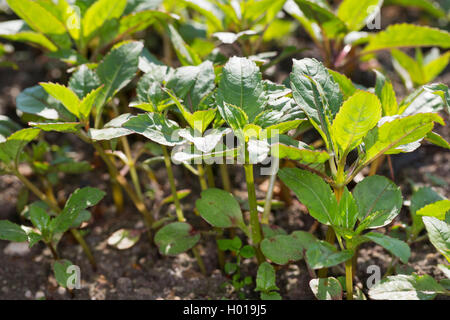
[
  {"x": 78, "y": 33},
  {"x": 265, "y": 282},
  {"x": 337, "y": 33},
  {"x": 234, "y": 269}
]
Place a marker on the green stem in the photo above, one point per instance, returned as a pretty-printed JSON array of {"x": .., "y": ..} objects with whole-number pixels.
[
  {"x": 201, "y": 177},
  {"x": 173, "y": 188},
  {"x": 210, "y": 176},
  {"x": 349, "y": 278},
  {"x": 269, "y": 195},
  {"x": 53, "y": 250},
  {"x": 199, "y": 259},
  {"x": 225, "y": 177},
  {"x": 131, "y": 164}
]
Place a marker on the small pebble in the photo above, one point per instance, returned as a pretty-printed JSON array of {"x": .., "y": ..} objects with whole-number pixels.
[{"x": 17, "y": 249}]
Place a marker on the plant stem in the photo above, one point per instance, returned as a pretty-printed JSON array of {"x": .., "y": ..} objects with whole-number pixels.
[
  {"x": 210, "y": 176},
  {"x": 349, "y": 278},
  {"x": 199, "y": 259},
  {"x": 53, "y": 250},
  {"x": 269, "y": 195},
  {"x": 225, "y": 177},
  {"x": 173, "y": 188},
  {"x": 201, "y": 177},
  {"x": 254, "y": 219},
  {"x": 131, "y": 164},
  {"x": 54, "y": 206}
]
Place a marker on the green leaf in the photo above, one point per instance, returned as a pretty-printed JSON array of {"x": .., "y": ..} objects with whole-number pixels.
[
  {"x": 57, "y": 126},
  {"x": 234, "y": 116},
  {"x": 41, "y": 20},
  {"x": 79, "y": 200},
  {"x": 321, "y": 254},
  {"x": 84, "y": 216},
  {"x": 385, "y": 92},
  {"x": 407, "y": 68},
  {"x": 315, "y": 90},
  {"x": 265, "y": 278},
  {"x": 83, "y": 81},
  {"x": 439, "y": 234},
  {"x": 184, "y": 53},
  {"x": 98, "y": 14},
  {"x": 155, "y": 127},
  {"x": 112, "y": 129},
  {"x": 436, "y": 139},
  {"x": 356, "y": 13},
  {"x": 348, "y": 211},
  {"x": 117, "y": 69},
  {"x": 442, "y": 91},
  {"x": 205, "y": 143},
  {"x": 420, "y": 199},
  {"x": 286, "y": 147},
  {"x": 39, "y": 217},
  {"x": 208, "y": 10},
  {"x": 437, "y": 209},
  {"x": 445, "y": 270},
  {"x": 397, "y": 247},
  {"x": 357, "y": 116},
  {"x": 282, "y": 249},
  {"x": 88, "y": 103},
  {"x": 234, "y": 244},
  {"x": 11, "y": 148},
  {"x": 406, "y": 287},
  {"x": 139, "y": 21},
  {"x": 390, "y": 135},
  {"x": 123, "y": 239},
  {"x": 37, "y": 101},
  {"x": 346, "y": 85},
  {"x": 220, "y": 209},
  {"x": 176, "y": 238},
  {"x": 379, "y": 201},
  {"x": 433, "y": 68},
  {"x": 17, "y": 30},
  {"x": 63, "y": 94},
  {"x": 12, "y": 232},
  {"x": 430, "y": 7},
  {"x": 241, "y": 85},
  {"x": 326, "y": 288},
  {"x": 408, "y": 35},
  {"x": 313, "y": 192},
  {"x": 60, "y": 269},
  {"x": 247, "y": 252}
]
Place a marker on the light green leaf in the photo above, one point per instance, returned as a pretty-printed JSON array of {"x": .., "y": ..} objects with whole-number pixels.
[
  {"x": 155, "y": 127},
  {"x": 408, "y": 35},
  {"x": 12, "y": 232},
  {"x": 241, "y": 85},
  {"x": 98, "y": 14},
  {"x": 17, "y": 30},
  {"x": 313, "y": 192},
  {"x": 176, "y": 238},
  {"x": 326, "y": 288},
  {"x": 63, "y": 94},
  {"x": 436, "y": 209},
  {"x": 439, "y": 234},
  {"x": 112, "y": 129},
  {"x": 379, "y": 201},
  {"x": 220, "y": 209},
  {"x": 406, "y": 287},
  {"x": 431, "y": 7},
  {"x": 348, "y": 211},
  {"x": 321, "y": 254},
  {"x": 88, "y": 102},
  {"x": 139, "y": 21},
  {"x": 57, "y": 126},
  {"x": 184, "y": 53},
  {"x": 41, "y": 20},
  {"x": 265, "y": 278},
  {"x": 436, "y": 139},
  {"x": 356, "y": 13},
  {"x": 387, "y": 137},
  {"x": 357, "y": 116},
  {"x": 286, "y": 147},
  {"x": 11, "y": 148},
  {"x": 385, "y": 92},
  {"x": 433, "y": 68},
  {"x": 346, "y": 85},
  {"x": 207, "y": 9},
  {"x": 397, "y": 247}
]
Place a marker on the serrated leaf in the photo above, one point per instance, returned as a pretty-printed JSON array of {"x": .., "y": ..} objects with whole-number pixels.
[
  {"x": 235, "y": 117},
  {"x": 437, "y": 140},
  {"x": 241, "y": 85},
  {"x": 286, "y": 147},
  {"x": 155, "y": 127},
  {"x": 17, "y": 30},
  {"x": 397, "y": 247},
  {"x": 387, "y": 137},
  {"x": 439, "y": 234},
  {"x": 57, "y": 126},
  {"x": 346, "y": 85},
  {"x": 385, "y": 92},
  {"x": 12, "y": 232},
  {"x": 357, "y": 116},
  {"x": 12, "y": 147},
  {"x": 379, "y": 201},
  {"x": 220, "y": 209},
  {"x": 112, "y": 129},
  {"x": 176, "y": 238},
  {"x": 321, "y": 254},
  {"x": 406, "y": 287},
  {"x": 326, "y": 288},
  {"x": 88, "y": 102},
  {"x": 408, "y": 35},
  {"x": 313, "y": 192}
]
